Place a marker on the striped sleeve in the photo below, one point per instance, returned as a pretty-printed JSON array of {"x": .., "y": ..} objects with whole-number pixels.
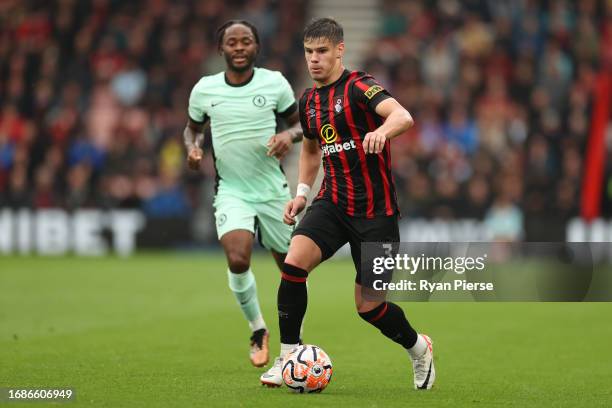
[{"x": 369, "y": 92}]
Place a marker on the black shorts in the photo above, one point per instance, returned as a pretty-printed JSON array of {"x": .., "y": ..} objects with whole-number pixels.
[{"x": 330, "y": 228}]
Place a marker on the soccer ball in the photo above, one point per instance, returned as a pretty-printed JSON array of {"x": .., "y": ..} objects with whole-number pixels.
[{"x": 307, "y": 368}]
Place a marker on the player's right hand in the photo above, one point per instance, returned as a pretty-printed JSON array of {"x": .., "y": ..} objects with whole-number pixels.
[
  {"x": 194, "y": 157},
  {"x": 293, "y": 208}
]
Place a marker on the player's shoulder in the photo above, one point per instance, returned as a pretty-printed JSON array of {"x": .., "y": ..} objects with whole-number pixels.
[
  {"x": 361, "y": 76},
  {"x": 268, "y": 75},
  {"x": 210, "y": 80},
  {"x": 364, "y": 84},
  {"x": 306, "y": 94}
]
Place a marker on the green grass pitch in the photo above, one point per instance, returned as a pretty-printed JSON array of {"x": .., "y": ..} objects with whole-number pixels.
[{"x": 162, "y": 330}]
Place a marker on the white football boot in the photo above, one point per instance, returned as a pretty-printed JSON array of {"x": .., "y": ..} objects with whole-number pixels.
[
  {"x": 423, "y": 367},
  {"x": 274, "y": 376}
]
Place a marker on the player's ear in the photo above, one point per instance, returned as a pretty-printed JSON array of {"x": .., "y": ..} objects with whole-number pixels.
[{"x": 340, "y": 49}]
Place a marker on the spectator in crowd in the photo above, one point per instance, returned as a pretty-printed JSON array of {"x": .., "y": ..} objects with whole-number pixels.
[
  {"x": 91, "y": 93},
  {"x": 502, "y": 92},
  {"x": 92, "y": 96}
]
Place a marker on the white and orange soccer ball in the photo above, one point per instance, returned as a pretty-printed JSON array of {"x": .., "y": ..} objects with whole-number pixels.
[{"x": 307, "y": 368}]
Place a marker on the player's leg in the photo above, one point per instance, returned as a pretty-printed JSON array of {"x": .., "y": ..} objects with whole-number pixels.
[
  {"x": 235, "y": 220},
  {"x": 317, "y": 237},
  {"x": 386, "y": 316},
  {"x": 237, "y": 245},
  {"x": 279, "y": 258},
  {"x": 390, "y": 319},
  {"x": 273, "y": 233},
  {"x": 292, "y": 300}
]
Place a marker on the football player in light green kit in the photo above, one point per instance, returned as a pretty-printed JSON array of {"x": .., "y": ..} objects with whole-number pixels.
[{"x": 240, "y": 104}]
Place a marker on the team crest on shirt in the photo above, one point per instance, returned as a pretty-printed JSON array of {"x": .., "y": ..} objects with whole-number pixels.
[
  {"x": 338, "y": 105},
  {"x": 259, "y": 101},
  {"x": 312, "y": 112}
]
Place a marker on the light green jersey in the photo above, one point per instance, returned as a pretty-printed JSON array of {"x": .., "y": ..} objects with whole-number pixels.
[{"x": 242, "y": 120}]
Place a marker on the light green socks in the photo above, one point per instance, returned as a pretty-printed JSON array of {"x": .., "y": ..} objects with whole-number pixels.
[{"x": 245, "y": 290}]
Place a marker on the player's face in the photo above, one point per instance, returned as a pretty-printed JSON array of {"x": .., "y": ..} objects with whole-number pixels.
[
  {"x": 239, "y": 48},
  {"x": 323, "y": 58}
]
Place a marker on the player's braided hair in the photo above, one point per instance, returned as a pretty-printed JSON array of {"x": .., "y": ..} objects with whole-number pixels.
[
  {"x": 325, "y": 27},
  {"x": 229, "y": 23}
]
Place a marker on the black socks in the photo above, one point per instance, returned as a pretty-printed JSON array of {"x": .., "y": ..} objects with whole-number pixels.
[
  {"x": 292, "y": 301},
  {"x": 389, "y": 318}
]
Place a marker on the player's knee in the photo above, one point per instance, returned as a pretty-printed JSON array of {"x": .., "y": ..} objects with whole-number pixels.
[
  {"x": 238, "y": 262},
  {"x": 295, "y": 261},
  {"x": 293, "y": 273},
  {"x": 302, "y": 262},
  {"x": 371, "y": 311},
  {"x": 303, "y": 253},
  {"x": 364, "y": 306}
]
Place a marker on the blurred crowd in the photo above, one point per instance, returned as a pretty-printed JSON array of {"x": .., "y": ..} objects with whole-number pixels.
[
  {"x": 93, "y": 99},
  {"x": 502, "y": 93},
  {"x": 93, "y": 96}
]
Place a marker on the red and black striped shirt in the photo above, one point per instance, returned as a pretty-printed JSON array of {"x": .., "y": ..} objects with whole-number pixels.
[{"x": 339, "y": 115}]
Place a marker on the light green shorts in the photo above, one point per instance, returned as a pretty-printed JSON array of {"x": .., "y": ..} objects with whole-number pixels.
[{"x": 265, "y": 218}]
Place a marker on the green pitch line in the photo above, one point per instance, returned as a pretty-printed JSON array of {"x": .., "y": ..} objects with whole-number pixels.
[{"x": 162, "y": 330}]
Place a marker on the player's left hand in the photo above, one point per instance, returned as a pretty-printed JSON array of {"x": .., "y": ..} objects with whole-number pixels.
[
  {"x": 279, "y": 145},
  {"x": 374, "y": 142}
]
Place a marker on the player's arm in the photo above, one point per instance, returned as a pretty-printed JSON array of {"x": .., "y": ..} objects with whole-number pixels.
[
  {"x": 193, "y": 136},
  {"x": 310, "y": 160},
  {"x": 397, "y": 121},
  {"x": 280, "y": 144}
]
